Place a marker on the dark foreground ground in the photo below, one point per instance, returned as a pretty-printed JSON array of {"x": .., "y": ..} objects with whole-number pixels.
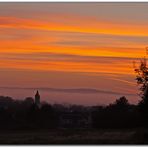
[{"x": 75, "y": 136}]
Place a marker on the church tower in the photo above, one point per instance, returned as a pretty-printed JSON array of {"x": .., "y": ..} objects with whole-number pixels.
[{"x": 37, "y": 98}]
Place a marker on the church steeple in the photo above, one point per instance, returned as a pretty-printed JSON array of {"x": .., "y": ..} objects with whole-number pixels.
[{"x": 37, "y": 98}]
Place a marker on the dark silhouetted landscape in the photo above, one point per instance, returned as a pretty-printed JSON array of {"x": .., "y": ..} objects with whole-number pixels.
[{"x": 33, "y": 122}]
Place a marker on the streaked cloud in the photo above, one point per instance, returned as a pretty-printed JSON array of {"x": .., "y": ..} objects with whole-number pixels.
[
  {"x": 98, "y": 41},
  {"x": 67, "y": 90}
]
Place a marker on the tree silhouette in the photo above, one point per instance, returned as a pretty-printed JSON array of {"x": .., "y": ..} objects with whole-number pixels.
[
  {"x": 47, "y": 116},
  {"x": 122, "y": 101},
  {"x": 142, "y": 80},
  {"x": 28, "y": 102},
  {"x": 120, "y": 104},
  {"x": 142, "y": 76}
]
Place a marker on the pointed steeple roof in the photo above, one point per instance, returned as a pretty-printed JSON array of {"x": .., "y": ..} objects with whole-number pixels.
[{"x": 37, "y": 93}]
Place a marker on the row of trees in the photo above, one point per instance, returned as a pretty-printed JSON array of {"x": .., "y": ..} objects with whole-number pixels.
[
  {"x": 26, "y": 115},
  {"x": 119, "y": 114}
]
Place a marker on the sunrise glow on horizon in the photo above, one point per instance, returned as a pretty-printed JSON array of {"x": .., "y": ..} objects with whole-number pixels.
[{"x": 72, "y": 46}]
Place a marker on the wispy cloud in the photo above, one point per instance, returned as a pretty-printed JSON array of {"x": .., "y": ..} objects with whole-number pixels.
[
  {"x": 71, "y": 90},
  {"x": 88, "y": 25},
  {"x": 96, "y": 38}
]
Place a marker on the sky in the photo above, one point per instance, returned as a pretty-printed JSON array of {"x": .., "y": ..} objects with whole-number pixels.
[{"x": 77, "y": 53}]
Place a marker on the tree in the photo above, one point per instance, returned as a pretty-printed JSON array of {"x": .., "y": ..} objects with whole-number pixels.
[
  {"x": 122, "y": 101},
  {"x": 142, "y": 77},
  {"x": 28, "y": 101},
  {"x": 120, "y": 104},
  {"x": 142, "y": 80},
  {"x": 47, "y": 116}
]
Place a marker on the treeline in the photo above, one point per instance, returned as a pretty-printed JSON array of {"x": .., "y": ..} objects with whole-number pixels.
[
  {"x": 120, "y": 114},
  {"x": 25, "y": 114},
  {"x": 17, "y": 114}
]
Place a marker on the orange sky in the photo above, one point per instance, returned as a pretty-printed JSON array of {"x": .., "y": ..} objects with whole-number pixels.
[{"x": 102, "y": 41}]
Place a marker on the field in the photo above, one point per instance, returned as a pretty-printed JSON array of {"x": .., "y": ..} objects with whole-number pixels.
[{"x": 75, "y": 136}]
